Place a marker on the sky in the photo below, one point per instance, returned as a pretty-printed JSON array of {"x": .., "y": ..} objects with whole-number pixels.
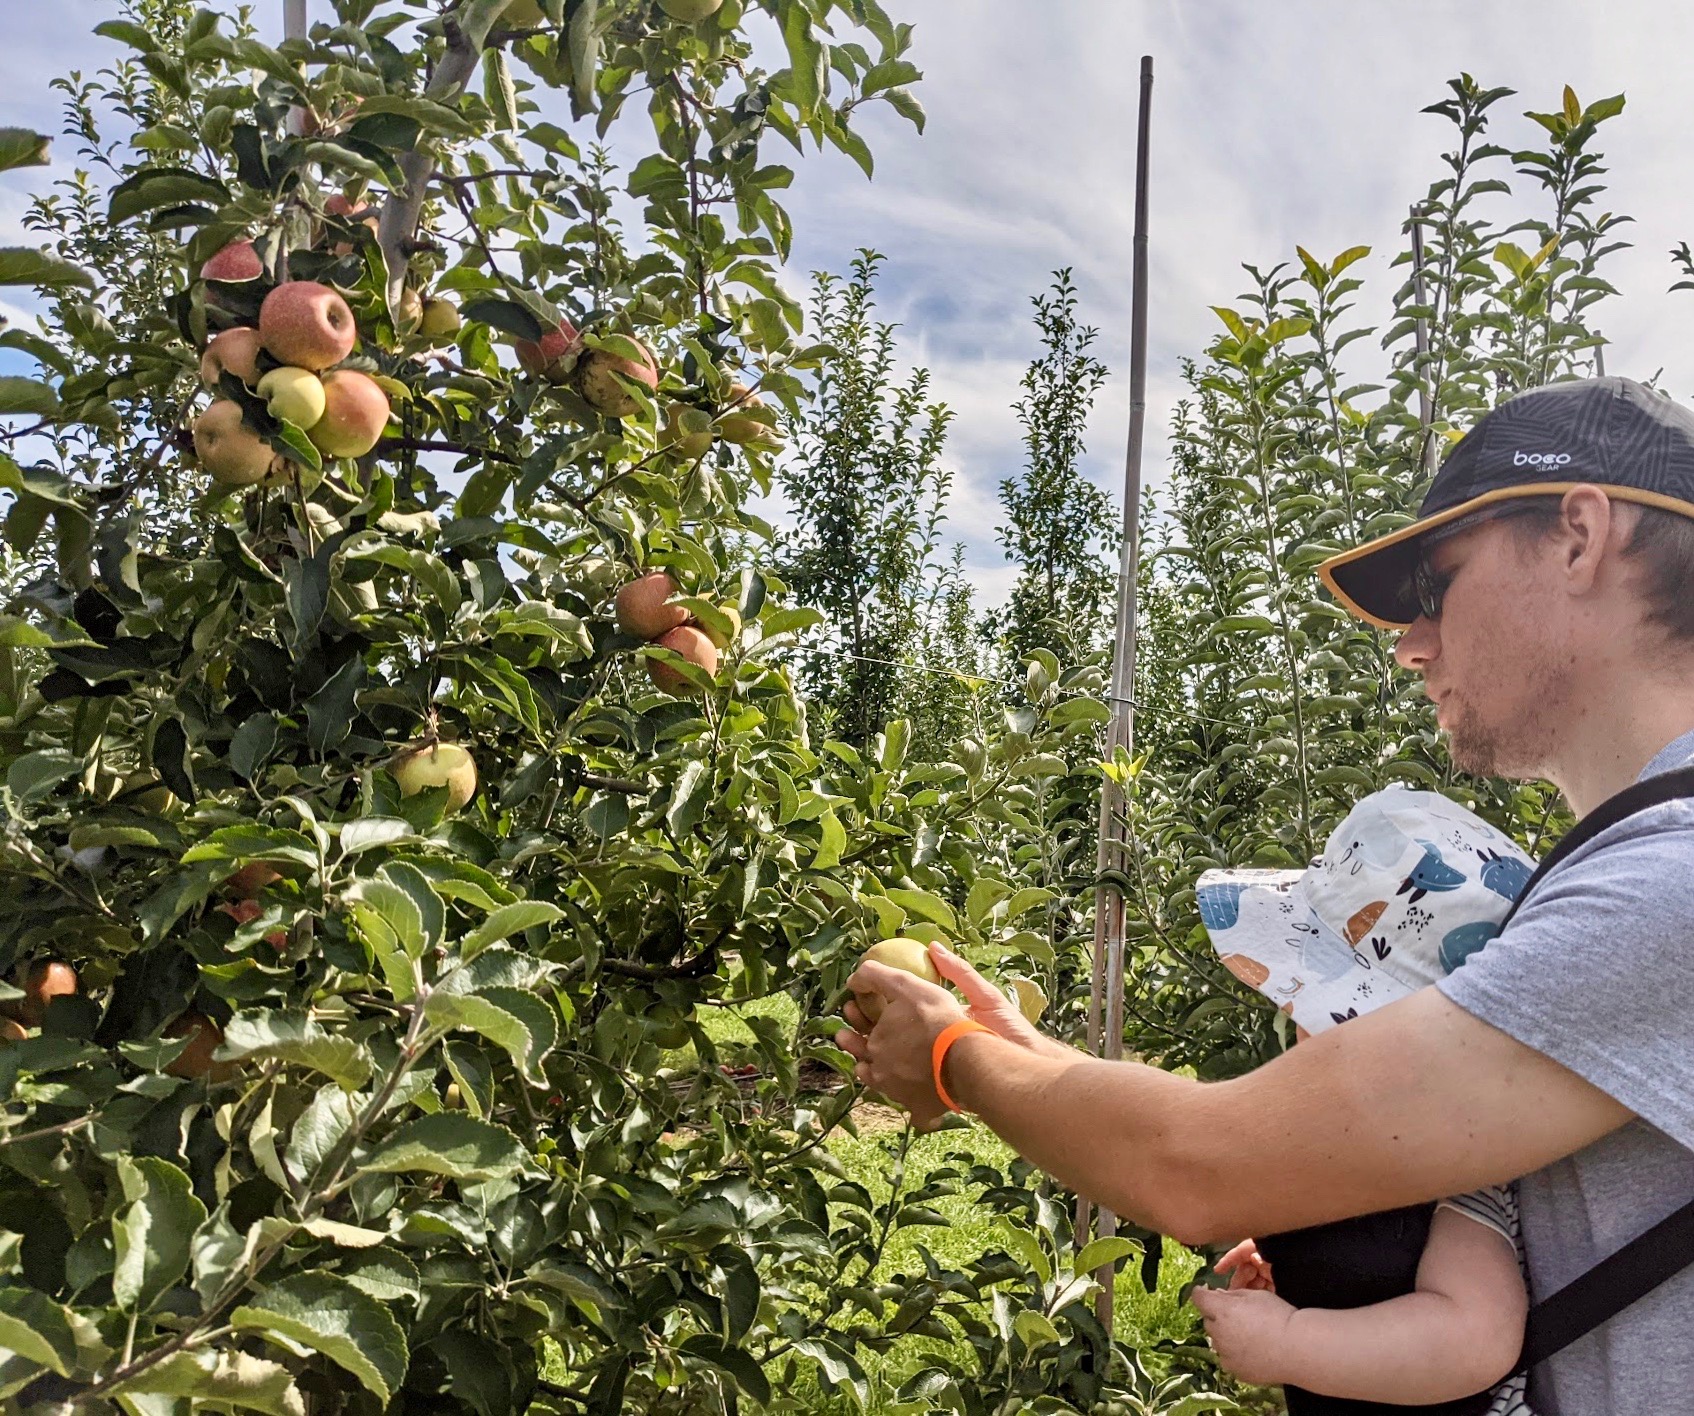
[{"x": 1274, "y": 125}]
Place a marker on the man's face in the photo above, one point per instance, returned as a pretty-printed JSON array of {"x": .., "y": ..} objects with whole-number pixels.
[{"x": 1493, "y": 663}]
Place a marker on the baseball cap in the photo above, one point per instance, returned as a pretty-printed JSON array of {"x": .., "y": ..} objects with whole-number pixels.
[
  {"x": 1409, "y": 886},
  {"x": 1634, "y": 443}
]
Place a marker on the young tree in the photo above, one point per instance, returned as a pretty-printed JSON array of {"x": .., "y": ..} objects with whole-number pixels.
[
  {"x": 868, "y": 493},
  {"x": 1057, "y": 521}
]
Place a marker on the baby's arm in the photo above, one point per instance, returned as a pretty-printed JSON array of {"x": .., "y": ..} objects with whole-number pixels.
[{"x": 1459, "y": 1333}]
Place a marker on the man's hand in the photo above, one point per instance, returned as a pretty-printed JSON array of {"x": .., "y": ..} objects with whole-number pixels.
[
  {"x": 1249, "y": 1331},
  {"x": 894, "y": 1056}
]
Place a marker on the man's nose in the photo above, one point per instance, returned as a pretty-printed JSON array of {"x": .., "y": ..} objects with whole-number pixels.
[{"x": 1418, "y": 645}]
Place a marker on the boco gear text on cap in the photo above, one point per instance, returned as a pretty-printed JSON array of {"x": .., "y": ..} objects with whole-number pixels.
[{"x": 1615, "y": 433}]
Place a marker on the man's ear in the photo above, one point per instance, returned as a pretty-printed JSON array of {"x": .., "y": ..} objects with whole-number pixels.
[{"x": 1592, "y": 531}]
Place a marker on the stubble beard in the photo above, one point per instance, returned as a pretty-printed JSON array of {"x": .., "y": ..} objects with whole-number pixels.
[{"x": 1517, "y": 743}]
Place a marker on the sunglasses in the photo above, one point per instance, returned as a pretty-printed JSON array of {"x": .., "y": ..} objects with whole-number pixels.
[{"x": 1431, "y": 588}]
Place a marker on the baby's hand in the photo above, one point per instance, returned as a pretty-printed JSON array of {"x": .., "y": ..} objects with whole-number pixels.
[
  {"x": 1249, "y": 1332},
  {"x": 1250, "y": 1268}
]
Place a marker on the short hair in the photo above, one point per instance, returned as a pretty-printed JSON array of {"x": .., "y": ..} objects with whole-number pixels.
[{"x": 1662, "y": 545}]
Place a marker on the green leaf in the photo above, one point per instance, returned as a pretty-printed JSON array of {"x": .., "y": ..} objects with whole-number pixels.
[
  {"x": 37, "y": 774},
  {"x": 155, "y": 187},
  {"x": 19, "y": 147},
  {"x": 329, "y": 1315},
  {"x": 151, "y": 1235},
  {"x": 689, "y": 798},
  {"x": 833, "y": 842},
  {"x": 381, "y": 907},
  {"x": 297, "y": 1039},
  {"x": 807, "y": 56},
  {"x": 926, "y": 906},
  {"x": 506, "y": 921},
  {"x": 24, "y": 265},
  {"x": 497, "y": 88},
  {"x": 21, "y": 396},
  {"x": 734, "y": 1362},
  {"x": 467, "y": 1010},
  {"x": 984, "y": 895},
  {"x": 1101, "y": 1252},
  {"x": 1036, "y": 1329},
  {"x": 219, "y": 1380},
  {"x": 35, "y": 1327},
  {"x": 371, "y": 832},
  {"x": 451, "y": 1145}
]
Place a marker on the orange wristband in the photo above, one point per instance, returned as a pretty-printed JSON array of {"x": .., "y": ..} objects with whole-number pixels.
[{"x": 938, "y": 1054}]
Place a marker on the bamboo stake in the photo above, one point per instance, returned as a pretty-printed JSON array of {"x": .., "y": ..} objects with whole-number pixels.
[
  {"x": 1426, "y": 400},
  {"x": 1105, "y": 1014}
]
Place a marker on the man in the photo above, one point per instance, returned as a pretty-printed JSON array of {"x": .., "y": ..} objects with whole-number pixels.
[{"x": 1546, "y": 596}]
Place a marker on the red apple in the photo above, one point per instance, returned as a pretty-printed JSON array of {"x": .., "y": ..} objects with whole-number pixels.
[
  {"x": 47, "y": 979},
  {"x": 693, "y": 644},
  {"x": 597, "y": 379},
  {"x": 235, "y": 351},
  {"x": 307, "y": 325},
  {"x": 365, "y": 215},
  {"x": 238, "y": 261},
  {"x": 641, "y": 608},
  {"x": 545, "y": 358},
  {"x": 228, "y": 449},
  {"x": 195, "y": 1060},
  {"x": 355, "y": 413},
  {"x": 246, "y": 883}
]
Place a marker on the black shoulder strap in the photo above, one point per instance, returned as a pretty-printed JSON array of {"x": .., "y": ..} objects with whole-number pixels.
[{"x": 1641, "y": 1265}]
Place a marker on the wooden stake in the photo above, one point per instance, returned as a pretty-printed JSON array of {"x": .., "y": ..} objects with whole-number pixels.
[
  {"x": 1105, "y": 1014},
  {"x": 1426, "y": 400}
]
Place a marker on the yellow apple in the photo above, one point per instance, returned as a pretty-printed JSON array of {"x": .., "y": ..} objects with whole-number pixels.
[
  {"x": 690, "y": 11},
  {"x": 294, "y": 395},
  {"x": 688, "y": 431},
  {"x": 228, "y": 449},
  {"x": 439, "y": 764},
  {"x": 912, "y": 955},
  {"x": 440, "y": 318}
]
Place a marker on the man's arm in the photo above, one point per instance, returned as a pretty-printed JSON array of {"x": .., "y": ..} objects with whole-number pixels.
[{"x": 1407, "y": 1104}]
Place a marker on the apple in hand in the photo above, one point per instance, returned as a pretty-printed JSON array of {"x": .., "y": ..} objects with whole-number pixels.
[
  {"x": 912, "y": 955},
  {"x": 235, "y": 351},
  {"x": 355, "y": 413},
  {"x": 236, "y": 262},
  {"x": 436, "y": 764},
  {"x": 228, "y": 449},
  {"x": 294, "y": 395},
  {"x": 692, "y": 643},
  {"x": 547, "y": 357},
  {"x": 641, "y": 608},
  {"x": 597, "y": 379},
  {"x": 307, "y": 324}
]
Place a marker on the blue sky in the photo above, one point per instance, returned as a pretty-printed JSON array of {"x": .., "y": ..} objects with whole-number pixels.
[{"x": 1278, "y": 124}]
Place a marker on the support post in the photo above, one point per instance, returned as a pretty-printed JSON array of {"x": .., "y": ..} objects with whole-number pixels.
[
  {"x": 1105, "y": 1015},
  {"x": 1426, "y": 397}
]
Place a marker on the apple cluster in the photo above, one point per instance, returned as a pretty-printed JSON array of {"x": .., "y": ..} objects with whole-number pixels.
[
  {"x": 644, "y": 610},
  {"x": 305, "y": 329}
]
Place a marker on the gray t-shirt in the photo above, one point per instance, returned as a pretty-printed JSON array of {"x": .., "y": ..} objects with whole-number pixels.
[{"x": 1597, "y": 973}]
